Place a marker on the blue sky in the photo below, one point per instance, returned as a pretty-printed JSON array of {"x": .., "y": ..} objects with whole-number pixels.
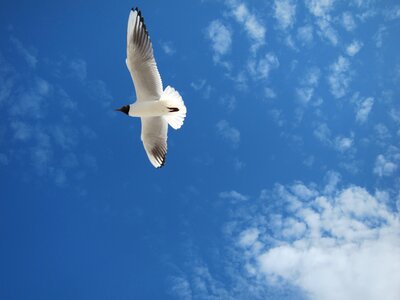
[{"x": 283, "y": 182}]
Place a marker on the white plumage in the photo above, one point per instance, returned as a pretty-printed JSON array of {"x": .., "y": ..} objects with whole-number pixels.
[{"x": 155, "y": 107}]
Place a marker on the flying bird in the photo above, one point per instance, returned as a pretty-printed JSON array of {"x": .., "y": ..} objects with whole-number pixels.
[{"x": 155, "y": 106}]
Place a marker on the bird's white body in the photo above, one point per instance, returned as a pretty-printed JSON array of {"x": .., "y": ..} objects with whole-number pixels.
[
  {"x": 148, "y": 109},
  {"x": 156, "y": 107}
]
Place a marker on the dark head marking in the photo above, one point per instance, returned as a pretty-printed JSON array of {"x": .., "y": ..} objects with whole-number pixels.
[{"x": 124, "y": 109}]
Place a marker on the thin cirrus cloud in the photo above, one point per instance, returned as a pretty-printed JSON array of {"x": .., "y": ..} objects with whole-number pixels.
[
  {"x": 168, "y": 48},
  {"x": 228, "y": 132},
  {"x": 233, "y": 195},
  {"x": 27, "y": 54},
  {"x": 305, "y": 34},
  {"x": 285, "y": 13},
  {"x": 388, "y": 163},
  {"x": 354, "y": 48},
  {"x": 308, "y": 85},
  {"x": 348, "y": 21},
  {"x": 320, "y": 8},
  {"x": 339, "y": 77},
  {"x": 221, "y": 39},
  {"x": 252, "y": 25},
  {"x": 46, "y": 146},
  {"x": 261, "y": 68},
  {"x": 363, "y": 109}
]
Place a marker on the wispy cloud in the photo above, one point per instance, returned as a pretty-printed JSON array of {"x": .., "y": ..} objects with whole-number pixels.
[
  {"x": 179, "y": 287},
  {"x": 327, "y": 32},
  {"x": 202, "y": 86},
  {"x": 168, "y": 48},
  {"x": 44, "y": 145},
  {"x": 221, "y": 39},
  {"x": 228, "y": 132},
  {"x": 339, "y": 78},
  {"x": 354, "y": 48},
  {"x": 228, "y": 102},
  {"x": 285, "y": 13},
  {"x": 305, "y": 34},
  {"x": 79, "y": 69},
  {"x": 348, "y": 21},
  {"x": 320, "y": 8},
  {"x": 260, "y": 69},
  {"x": 343, "y": 143},
  {"x": 269, "y": 93},
  {"x": 363, "y": 108},
  {"x": 233, "y": 196},
  {"x": 387, "y": 164},
  {"x": 308, "y": 84},
  {"x": 28, "y": 54},
  {"x": 340, "y": 143},
  {"x": 252, "y": 25}
]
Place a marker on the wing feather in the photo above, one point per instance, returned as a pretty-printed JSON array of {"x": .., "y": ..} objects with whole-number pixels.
[
  {"x": 140, "y": 60},
  {"x": 154, "y": 138}
]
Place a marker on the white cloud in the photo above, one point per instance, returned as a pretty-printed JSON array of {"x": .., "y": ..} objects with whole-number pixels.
[
  {"x": 388, "y": 163},
  {"x": 348, "y": 21},
  {"x": 27, "y": 54},
  {"x": 323, "y": 133},
  {"x": 354, "y": 48},
  {"x": 305, "y": 34},
  {"x": 327, "y": 31},
  {"x": 392, "y": 13},
  {"x": 220, "y": 37},
  {"x": 308, "y": 83},
  {"x": 382, "y": 135},
  {"x": 22, "y": 131},
  {"x": 379, "y": 35},
  {"x": 203, "y": 86},
  {"x": 269, "y": 93},
  {"x": 343, "y": 245},
  {"x": 343, "y": 144},
  {"x": 363, "y": 109},
  {"x": 340, "y": 143},
  {"x": 79, "y": 68},
  {"x": 395, "y": 114},
  {"x": 168, "y": 48},
  {"x": 261, "y": 68},
  {"x": 252, "y": 25},
  {"x": 248, "y": 237},
  {"x": 228, "y": 132},
  {"x": 179, "y": 287},
  {"x": 285, "y": 13},
  {"x": 43, "y": 144},
  {"x": 320, "y": 8},
  {"x": 233, "y": 195},
  {"x": 304, "y": 241},
  {"x": 228, "y": 102},
  {"x": 339, "y": 78}
]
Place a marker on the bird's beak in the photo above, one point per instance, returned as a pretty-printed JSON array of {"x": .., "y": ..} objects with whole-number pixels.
[{"x": 124, "y": 109}]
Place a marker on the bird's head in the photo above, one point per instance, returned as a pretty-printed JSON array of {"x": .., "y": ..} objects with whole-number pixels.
[{"x": 124, "y": 109}]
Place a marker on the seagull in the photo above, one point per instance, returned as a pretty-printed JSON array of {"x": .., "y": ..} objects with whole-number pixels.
[{"x": 154, "y": 106}]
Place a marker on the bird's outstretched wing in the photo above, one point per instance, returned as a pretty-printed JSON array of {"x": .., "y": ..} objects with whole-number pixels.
[
  {"x": 140, "y": 60},
  {"x": 154, "y": 138}
]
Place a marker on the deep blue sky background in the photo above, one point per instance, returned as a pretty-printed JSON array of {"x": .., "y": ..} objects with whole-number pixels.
[{"x": 289, "y": 102}]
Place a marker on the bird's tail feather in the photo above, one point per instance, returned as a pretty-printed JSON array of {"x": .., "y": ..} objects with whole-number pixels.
[{"x": 172, "y": 100}]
